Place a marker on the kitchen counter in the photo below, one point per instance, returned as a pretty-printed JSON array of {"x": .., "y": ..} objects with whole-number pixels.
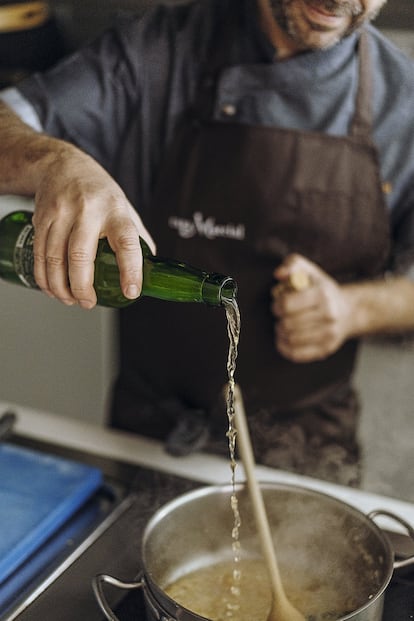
[
  {"x": 201, "y": 468},
  {"x": 145, "y": 477}
]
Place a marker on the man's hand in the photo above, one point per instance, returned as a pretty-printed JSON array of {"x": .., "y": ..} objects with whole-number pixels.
[
  {"x": 77, "y": 203},
  {"x": 313, "y": 322}
]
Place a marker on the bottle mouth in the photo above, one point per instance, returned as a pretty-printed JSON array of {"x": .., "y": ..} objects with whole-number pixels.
[
  {"x": 228, "y": 290},
  {"x": 219, "y": 289}
]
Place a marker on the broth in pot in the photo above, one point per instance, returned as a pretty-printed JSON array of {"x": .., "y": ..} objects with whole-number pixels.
[{"x": 206, "y": 592}]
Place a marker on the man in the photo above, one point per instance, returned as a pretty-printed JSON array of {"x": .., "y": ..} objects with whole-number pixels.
[{"x": 254, "y": 138}]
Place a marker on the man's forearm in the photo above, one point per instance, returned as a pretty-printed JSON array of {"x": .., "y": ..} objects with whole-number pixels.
[
  {"x": 24, "y": 154},
  {"x": 381, "y": 307}
]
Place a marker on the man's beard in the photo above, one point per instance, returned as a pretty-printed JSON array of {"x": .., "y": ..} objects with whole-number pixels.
[{"x": 352, "y": 8}]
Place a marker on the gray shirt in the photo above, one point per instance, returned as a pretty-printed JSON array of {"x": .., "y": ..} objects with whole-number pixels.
[{"x": 120, "y": 99}]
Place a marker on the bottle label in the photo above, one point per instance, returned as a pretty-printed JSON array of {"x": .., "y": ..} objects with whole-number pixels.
[{"x": 23, "y": 257}]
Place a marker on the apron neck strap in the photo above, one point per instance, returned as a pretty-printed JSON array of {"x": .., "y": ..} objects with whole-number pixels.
[{"x": 362, "y": 122}]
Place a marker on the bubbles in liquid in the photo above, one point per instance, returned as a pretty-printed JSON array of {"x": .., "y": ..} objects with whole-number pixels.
[{"x": 195, "y": 590}]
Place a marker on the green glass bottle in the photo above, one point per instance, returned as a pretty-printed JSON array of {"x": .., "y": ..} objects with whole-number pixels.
[{"x": 165, "y": 279}]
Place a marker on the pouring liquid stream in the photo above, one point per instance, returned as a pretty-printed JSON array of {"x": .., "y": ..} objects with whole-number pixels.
[{"x": 233, "y": 329}]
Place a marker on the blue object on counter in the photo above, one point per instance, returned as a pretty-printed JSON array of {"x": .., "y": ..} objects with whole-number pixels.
[
  {"x": 38, "y": 494},
  {"x": 48, "y": 561}
]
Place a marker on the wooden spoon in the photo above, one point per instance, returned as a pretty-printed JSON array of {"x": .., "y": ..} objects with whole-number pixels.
[{"x": 282, "y": 609}]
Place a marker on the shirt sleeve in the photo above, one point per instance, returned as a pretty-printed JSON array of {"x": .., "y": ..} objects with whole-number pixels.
[
  {"x": 394, "y": 137},
  {"x": 88, "y": 97},
  {"x": 402, "y": 218},
  {"x": 22, "y": 107}
]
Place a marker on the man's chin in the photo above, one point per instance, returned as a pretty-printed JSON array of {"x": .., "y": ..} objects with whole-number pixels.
[{"x": 317, "y": 39}]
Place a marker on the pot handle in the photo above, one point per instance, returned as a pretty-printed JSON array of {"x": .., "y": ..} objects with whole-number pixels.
[
  {"x": 97, "y": 585},
  {"x": 410, "y": 530}
]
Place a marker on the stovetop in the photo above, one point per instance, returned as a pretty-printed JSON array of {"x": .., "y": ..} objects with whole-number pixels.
[{"x": 116, "y": 550}]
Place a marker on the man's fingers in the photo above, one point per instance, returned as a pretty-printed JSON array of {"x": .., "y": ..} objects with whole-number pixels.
[
  {"x": 57, "y": 263},
  {"x": 50, "y": 256},
  {"x": 67, "y": 233},
  {"x": 82, "y": 248},
  {"x": 39, "y": 267},
  {"x": 125, "y": 242}
]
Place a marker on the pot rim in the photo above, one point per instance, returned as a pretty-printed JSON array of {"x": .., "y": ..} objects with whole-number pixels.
[{"x": 227, "y": 488}]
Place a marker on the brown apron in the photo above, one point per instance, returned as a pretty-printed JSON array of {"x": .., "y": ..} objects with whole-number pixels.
[{"x": 284, "y": 191}]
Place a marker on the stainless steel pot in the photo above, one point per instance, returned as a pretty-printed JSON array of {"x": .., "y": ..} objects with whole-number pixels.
[{"x": 318, "y": 539}]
